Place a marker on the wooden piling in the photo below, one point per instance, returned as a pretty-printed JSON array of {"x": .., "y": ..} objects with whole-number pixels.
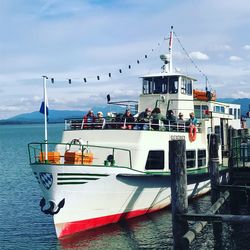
[
  {"x": 213, "y": 167},
  {"x": 230, "y": 148},
  {"x": 179, "y": 200}
]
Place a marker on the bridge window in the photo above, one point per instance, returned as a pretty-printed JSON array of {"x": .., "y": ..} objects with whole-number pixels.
[
  {"x": 160, "y": 85},
  {"x": 155, "y": 160},
  {"x": 186, "y": 86}
]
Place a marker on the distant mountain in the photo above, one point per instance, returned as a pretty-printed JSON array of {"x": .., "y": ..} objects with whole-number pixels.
[
  {"x": 58, "y": 116},
  {"x": 55, "y": 116}
]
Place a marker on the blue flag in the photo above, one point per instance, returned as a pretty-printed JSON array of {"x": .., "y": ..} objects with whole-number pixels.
[{"x": 42, "y": 110}]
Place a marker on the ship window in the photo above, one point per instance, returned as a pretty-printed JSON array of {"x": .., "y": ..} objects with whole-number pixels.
[
  {"x": 155, "y": 160},
  {"x": 217, "y": 109},
  {"x": 160, "y": 85},
  {"x": 230, "y": 111},
  {"x": 190, "y": 158},
  {"x": 239, "y": 113},
  {"x": 217, "y": 131},
  {"x": 235, "y": 113},
  {"x": 186, "y": 86},
  {"x": 200, "y": 111},
  {"x": 201, "y": 158}
]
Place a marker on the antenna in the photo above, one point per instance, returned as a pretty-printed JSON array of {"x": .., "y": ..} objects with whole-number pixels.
[{"x": 167, "y": 58}]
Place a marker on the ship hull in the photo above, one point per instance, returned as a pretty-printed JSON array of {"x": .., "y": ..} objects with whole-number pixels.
[{"x": 97, "y": 196}]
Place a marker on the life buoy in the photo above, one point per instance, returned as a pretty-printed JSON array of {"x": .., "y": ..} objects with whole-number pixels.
[{"x": 192, "y": 133}]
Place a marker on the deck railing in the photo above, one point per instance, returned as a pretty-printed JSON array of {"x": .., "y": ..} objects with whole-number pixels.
[
  {"x": 78, "y": 124},
  {"x": 77, "y": 153},
  {"x": 240, "y": 153}
]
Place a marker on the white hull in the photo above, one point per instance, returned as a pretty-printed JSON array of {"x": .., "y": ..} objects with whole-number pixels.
[{"x": 107, "y": 196}]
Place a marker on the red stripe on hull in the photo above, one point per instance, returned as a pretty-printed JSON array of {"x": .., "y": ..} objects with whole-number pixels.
[{"x": 79, "y": 226}]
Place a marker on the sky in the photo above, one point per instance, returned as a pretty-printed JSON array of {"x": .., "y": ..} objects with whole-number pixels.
[{"x": 80, "y": 39}]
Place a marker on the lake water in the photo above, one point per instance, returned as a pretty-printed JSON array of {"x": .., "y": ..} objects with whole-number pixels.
[{"x": 24, "y": 226}]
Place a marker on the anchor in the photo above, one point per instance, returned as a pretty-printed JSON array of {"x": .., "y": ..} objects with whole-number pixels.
[{"x": 51, "y": 210}]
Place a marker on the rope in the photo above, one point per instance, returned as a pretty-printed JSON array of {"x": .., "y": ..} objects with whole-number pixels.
[{"x": 193, "y": 62}]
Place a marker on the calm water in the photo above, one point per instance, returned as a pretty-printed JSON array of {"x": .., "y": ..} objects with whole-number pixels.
[{"x": 24, "y": 226}]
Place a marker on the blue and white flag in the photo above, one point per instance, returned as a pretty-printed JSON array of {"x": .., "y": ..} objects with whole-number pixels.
[{"x": 42, "y": 110}]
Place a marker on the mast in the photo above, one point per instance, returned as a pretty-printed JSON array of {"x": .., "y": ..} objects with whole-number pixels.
[
  {"x": 167, "y": 58},
  {"x": 170, "y": 50}
]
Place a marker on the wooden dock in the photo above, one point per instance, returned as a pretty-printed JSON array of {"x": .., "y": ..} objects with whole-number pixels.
[{"x": 239, "y": 181}]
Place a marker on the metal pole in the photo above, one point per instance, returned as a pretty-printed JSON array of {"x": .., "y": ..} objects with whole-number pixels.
[{"x": 45, "y": 116}]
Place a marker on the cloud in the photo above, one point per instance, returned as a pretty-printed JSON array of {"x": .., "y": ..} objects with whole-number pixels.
[
  {"x": 199, "y": 55},
  {"x": 246, "y": 47},
  {"x": 76, "y": 39},
  {"x": 235, "y": 58},
  {"x": 241, "y": 94}
]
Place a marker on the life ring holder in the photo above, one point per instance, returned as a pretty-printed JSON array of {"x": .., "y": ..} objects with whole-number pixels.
[{"x": 192, "y": 133}]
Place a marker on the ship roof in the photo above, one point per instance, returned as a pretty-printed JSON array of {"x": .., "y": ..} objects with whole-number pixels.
[{"x": 167, "y": 74}]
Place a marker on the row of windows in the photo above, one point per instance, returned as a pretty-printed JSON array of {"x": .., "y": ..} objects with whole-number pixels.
[
  {"x": 235, "y": 112},
  {"x": 219, "y": 109},
  {"x": 166, "y": 84},
  {"x": 160, "y": 85},
  {"x": 155, "y": 160},
  {"x": 200, "y": 111}
]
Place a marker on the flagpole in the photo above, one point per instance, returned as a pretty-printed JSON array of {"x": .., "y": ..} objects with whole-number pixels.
[{"x": 45, "y": 116}]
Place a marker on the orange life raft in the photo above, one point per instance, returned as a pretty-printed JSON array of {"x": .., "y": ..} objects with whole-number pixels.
[{"x": 203, "y": 95}]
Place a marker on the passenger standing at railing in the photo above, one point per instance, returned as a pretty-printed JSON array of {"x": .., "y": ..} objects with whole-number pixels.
[
  {"x": 144, "y": 117},
  {"x": 180, "y": 123},
  {"x": 89, "y": 119},
  {"x": 192, "y": 120},
  {"x": 128, "y": 119},
  {"x": 157, "y": 117},
  {"x": 170, "y": 120},
  {"x": 99, "y": 120},
  {"x": 192, "y": 127}
]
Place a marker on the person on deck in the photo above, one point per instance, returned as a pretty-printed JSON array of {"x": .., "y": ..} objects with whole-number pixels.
[
  {"x": 99, "y": 120},
  {"x": 156, "y": 117},
  {"x": 171, "y": 120},
  {"x": 192, "y": 120},
  {"x": 180, "y": 123},
  {"x": 127, "y": 118},
  {"x": 89, "y": 119},
  {"x": 144, "y": 117}
]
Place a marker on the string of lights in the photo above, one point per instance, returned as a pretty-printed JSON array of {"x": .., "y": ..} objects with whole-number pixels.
[{"x": 100, "y": 77}]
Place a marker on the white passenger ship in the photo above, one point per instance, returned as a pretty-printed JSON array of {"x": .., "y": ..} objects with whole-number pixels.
[{"x": 101, "y": 174}]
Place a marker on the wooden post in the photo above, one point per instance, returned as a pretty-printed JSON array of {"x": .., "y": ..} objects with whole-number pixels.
[
  {"x": 230, "y": 149},
  {"x": 179, "y": 199},
  {"x": 213, "y": 167}
]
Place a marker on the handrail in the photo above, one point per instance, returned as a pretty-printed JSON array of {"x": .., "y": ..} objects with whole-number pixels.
[
  {"x": 92, "y": 153},
  {"x": 179, "y": 126}
]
